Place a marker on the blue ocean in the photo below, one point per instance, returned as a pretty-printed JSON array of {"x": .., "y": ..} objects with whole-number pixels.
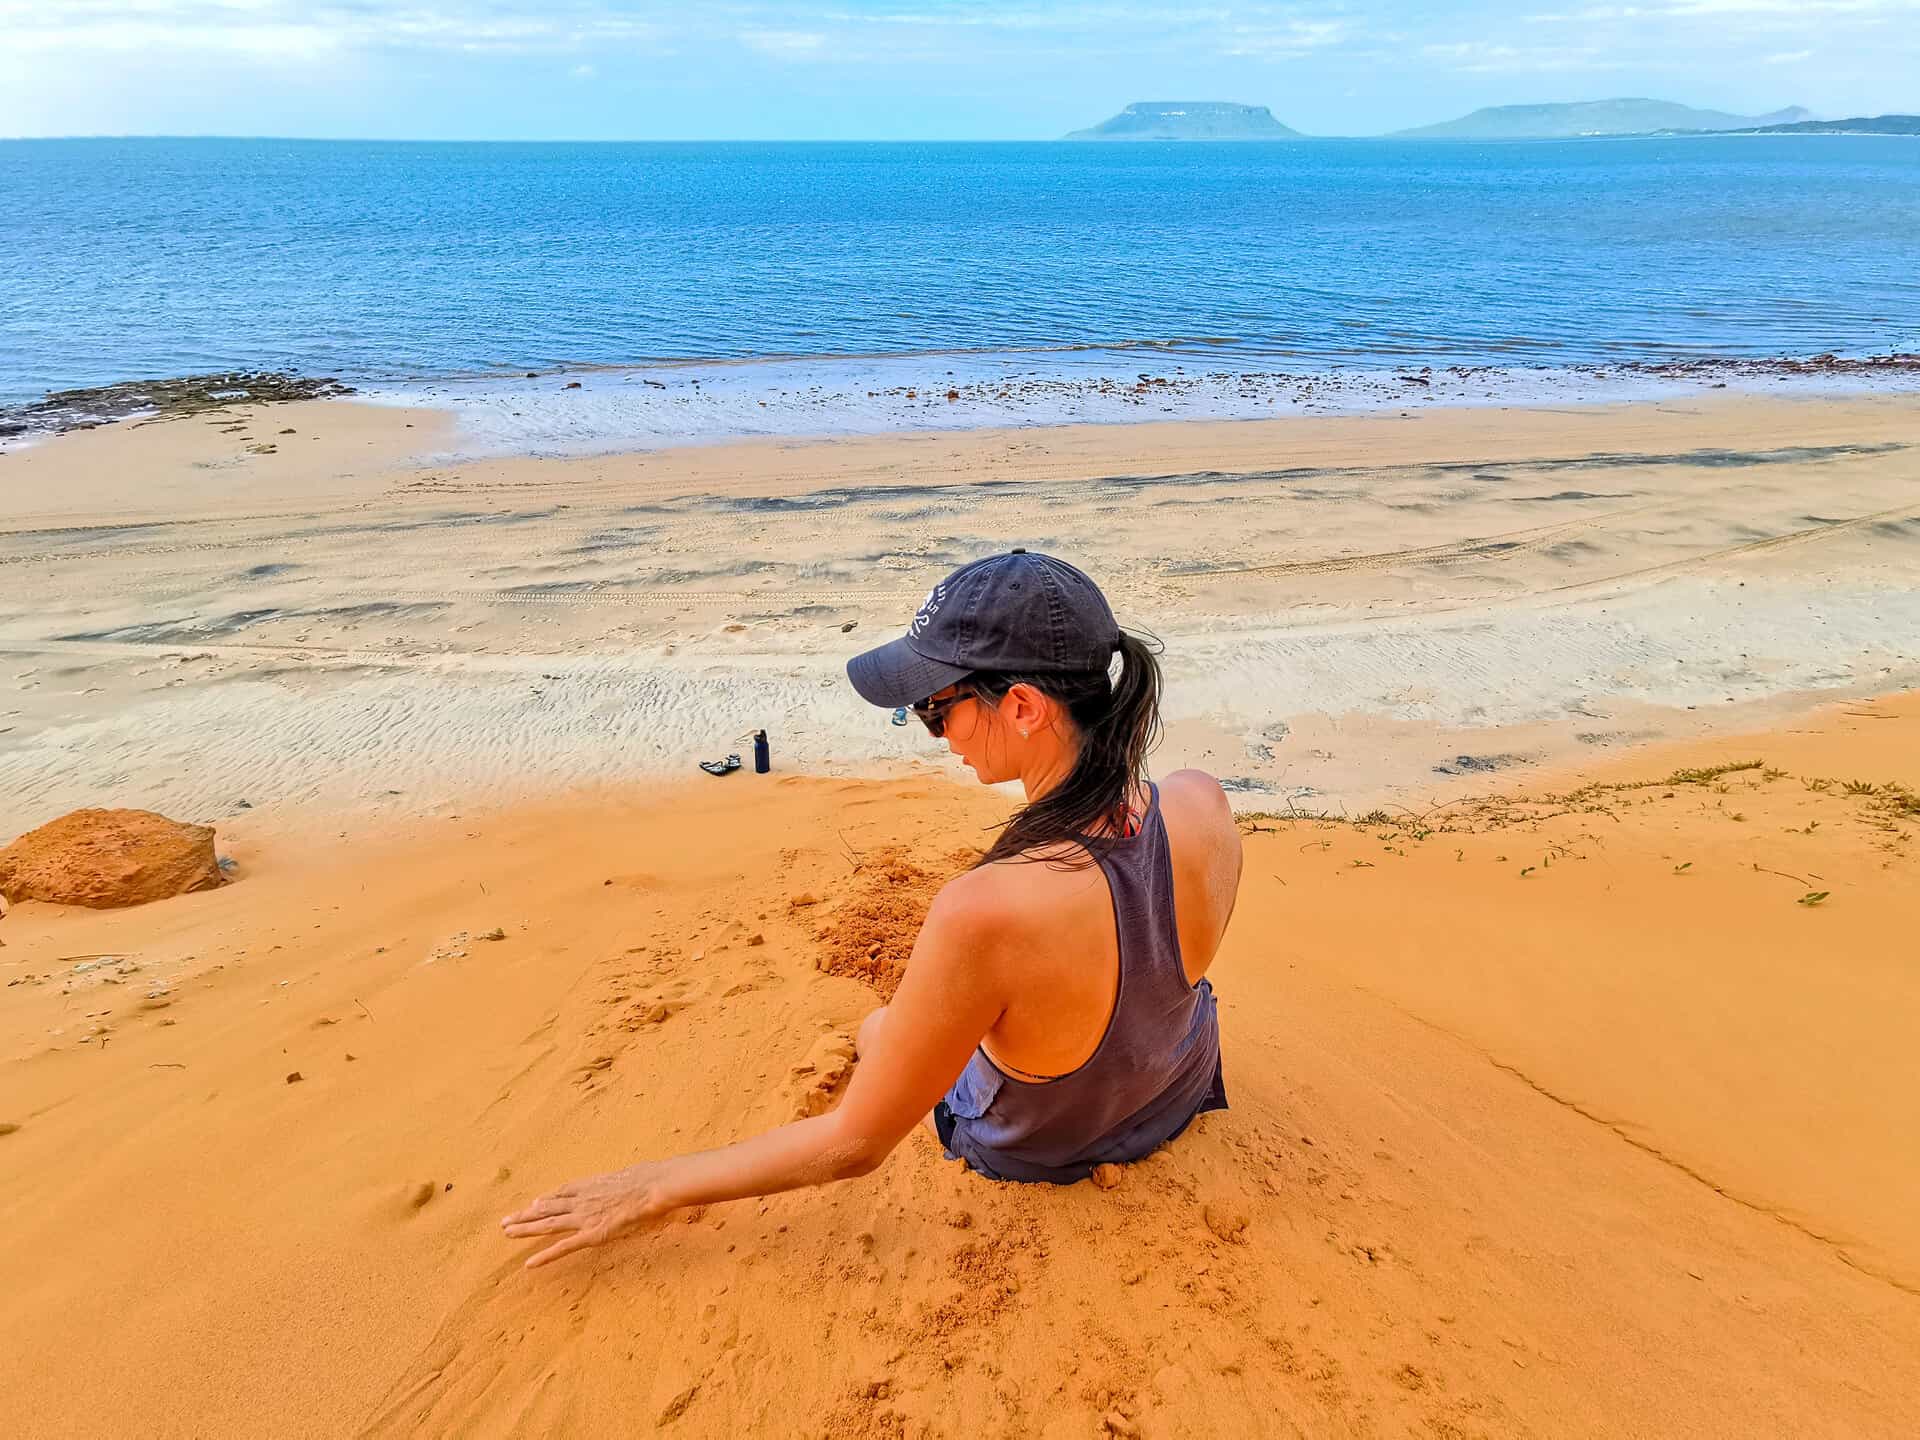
[{"x": 396, "y": 265}]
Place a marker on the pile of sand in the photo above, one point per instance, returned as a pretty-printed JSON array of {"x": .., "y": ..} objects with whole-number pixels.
[
  {"x": 106, "y": 859},
  {"x": 868, "y": 933}
]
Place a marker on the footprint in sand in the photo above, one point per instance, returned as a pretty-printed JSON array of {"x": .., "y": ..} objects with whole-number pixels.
[
  {"x": 590, "y": 1073},
  {"x": 396, "y": 1204},
  {"x": 818, "y": 1079},
  {"x": 650, "y": 1010}
]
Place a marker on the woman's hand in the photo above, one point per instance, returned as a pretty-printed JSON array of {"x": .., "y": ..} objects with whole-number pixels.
[
  {"x": 592, "y": 1211},
  {"x": 948, "y": 999}
]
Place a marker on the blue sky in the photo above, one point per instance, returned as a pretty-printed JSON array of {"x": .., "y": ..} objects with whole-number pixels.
[{"x": 911, "y": 69}]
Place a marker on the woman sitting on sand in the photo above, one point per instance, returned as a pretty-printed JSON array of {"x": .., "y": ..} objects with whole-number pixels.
[{"x": 1060, "y": 978}]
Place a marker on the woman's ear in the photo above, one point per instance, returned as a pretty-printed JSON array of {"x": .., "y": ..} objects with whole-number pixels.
[{"x": 1027, "y": 710}]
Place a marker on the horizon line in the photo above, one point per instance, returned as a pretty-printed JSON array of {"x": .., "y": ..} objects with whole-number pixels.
[{"x": 1161, "y": 143}]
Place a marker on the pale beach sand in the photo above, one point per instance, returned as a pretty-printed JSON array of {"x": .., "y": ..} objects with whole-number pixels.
[
  {"x": 1613, "y": 1147},
  {"x": 1350, "y": 605},
  {"x": 1555, "y": 1111}
]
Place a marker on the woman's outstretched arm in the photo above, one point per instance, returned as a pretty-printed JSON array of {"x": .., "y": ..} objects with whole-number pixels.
[{"x": 949, "y": 998}]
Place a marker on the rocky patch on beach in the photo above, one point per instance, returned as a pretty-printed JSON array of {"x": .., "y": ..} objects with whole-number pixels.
[
  {"x": 106, "y": 859},
  {"x": 172, "y": 399}
]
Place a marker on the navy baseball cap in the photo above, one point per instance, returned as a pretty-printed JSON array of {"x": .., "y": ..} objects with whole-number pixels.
[{"x": 1014, "y": 612}]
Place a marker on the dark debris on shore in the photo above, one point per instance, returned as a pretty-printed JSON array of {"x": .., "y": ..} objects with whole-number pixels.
[
  {"x": 152, "y": 400},
  {"x": 1895, "y": 363}
]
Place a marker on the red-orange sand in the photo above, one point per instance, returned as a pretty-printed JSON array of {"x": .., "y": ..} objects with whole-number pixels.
[{"x": 1548, "y": 1119}]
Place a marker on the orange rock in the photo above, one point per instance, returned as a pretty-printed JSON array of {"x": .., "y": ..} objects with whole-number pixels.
[{"x": 105, "y": 859}]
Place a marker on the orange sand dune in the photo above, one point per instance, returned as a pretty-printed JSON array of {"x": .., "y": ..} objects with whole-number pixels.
[{"x": 1549, "y": 1118}]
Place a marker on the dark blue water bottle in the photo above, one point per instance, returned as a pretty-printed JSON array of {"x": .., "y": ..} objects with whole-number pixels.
[{"x": 762, "y": 755}]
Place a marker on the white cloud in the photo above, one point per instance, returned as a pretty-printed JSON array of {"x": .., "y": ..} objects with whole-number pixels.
[
  {"x": 1290, "y": 37},
  {"x": 1595, "y": 12},
  {"x": 1650, "y": 15},
  {"x": 1078, "y": 17},
  {"x": 289, "y": 30},
  {"x": 1794, "y": 8},
  {"x": 1485, "y": 57},
  {"x": 133, "y": 36},
  {"x": 785, "y": 44}
]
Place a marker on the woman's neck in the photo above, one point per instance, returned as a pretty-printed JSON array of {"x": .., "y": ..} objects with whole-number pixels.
[
  {"x": 1133, "y": 802},
  {"x": 1048, "y": 774}
]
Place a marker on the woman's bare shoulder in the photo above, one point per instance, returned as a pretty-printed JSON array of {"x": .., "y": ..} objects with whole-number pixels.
[
  {"x": 1198, "y": 813},
  {"x": 977, "y": 897},
  {"x": 1196, "y": 790},
  {"x": 1012, "y": 896}
]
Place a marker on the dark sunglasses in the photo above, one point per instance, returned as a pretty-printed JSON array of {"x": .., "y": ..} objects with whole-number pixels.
[{"x": 933, "y": 713}]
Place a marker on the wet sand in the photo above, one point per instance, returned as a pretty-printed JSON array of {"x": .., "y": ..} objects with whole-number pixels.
[
  {"x": 1355, "y": 609},
  {"x": 1553, "y": 1113}
]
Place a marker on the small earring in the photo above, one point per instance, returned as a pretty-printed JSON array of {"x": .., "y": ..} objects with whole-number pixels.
[{"x": 1023, "y": 733}]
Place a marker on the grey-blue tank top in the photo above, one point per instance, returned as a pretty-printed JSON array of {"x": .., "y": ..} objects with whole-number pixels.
[{"x": 1157, "y": 1066}]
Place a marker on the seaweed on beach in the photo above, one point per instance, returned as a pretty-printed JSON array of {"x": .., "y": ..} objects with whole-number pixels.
[
  {"x": 169, "y": 399},
  {"x": 1887, "y": 807}
]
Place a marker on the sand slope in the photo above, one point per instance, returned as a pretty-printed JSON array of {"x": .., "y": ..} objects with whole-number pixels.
[{"x": 1471, "y": 1183}]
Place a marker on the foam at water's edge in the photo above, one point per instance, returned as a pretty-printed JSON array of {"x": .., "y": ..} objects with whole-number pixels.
[{"x": 605, "y": 410}]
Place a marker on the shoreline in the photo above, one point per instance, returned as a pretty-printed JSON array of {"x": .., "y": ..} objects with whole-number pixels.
[{"x": 604, "y": 409}]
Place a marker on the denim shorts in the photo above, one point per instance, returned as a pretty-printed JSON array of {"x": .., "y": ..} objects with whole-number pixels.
[{"x": 943, "y": 1124}]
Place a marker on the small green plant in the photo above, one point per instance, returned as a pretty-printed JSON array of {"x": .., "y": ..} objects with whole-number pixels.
[
  {"x": 1361, "y": 864},
  {"x": 1737, "y": 815},
  {"x": 1819, "y": 787},
  {"x": 1813, "y": 897},
  {"x": 1707, "y": 774},
  {"x": 1857, "y": 787},
  {"x": 1770, "y": 773},
  {"x": 1683, "y": 867}
]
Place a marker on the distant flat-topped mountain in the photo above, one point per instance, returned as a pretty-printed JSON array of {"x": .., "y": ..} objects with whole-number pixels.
[
  {"x": 1189, "y": 120},
  {"x": 1593, "y": 117}
]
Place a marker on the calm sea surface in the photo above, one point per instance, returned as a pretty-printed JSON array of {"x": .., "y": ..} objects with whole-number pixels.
[{"x": 386, "y": 263}]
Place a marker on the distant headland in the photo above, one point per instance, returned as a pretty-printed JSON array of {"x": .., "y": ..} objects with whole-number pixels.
[
  {"x": 1576, "y": 120},
  {"x": 1189, "y": 120},
  {"x": 1859, "y": 125},
  {"x": 1593, "y": 117}
]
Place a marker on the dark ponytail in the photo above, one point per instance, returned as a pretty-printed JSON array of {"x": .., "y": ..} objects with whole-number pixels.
[{"x": 1118, "y": 720}]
